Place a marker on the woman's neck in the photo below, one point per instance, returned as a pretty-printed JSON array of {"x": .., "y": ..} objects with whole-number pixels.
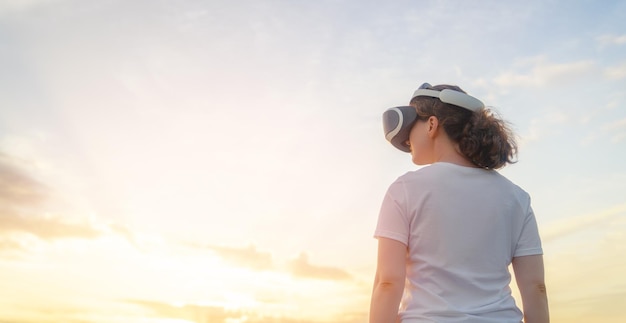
[{"x": 448, "y": 152}]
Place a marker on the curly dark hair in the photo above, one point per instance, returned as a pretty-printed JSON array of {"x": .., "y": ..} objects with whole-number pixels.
[{"x": 482, "y": 136}]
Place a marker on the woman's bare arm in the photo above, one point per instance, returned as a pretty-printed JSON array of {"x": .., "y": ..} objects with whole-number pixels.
[
  {"x": 389, "y": 281},
  {"x": 529, "y": 275}
]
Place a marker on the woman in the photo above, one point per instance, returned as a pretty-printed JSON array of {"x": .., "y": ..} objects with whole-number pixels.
[{"x": 448, "y": 232}]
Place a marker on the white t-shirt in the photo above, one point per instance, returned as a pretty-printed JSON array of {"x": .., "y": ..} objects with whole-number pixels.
[{"x": 462, "y": 226}]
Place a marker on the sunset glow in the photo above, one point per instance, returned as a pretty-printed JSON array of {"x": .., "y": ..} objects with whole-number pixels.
[{"x": 223, "y": 161}]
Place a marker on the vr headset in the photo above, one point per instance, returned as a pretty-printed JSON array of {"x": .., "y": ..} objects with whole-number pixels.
[{"x": 398, "y": 121}]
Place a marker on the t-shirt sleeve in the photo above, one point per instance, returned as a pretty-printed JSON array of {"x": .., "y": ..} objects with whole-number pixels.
[
  {"x": 529, "y": 242},
  {"x": 393, "y": 222}
]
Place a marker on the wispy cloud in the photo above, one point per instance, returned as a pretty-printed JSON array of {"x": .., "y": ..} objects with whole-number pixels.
[
  {"x": 300, "y": 267},
  {"x": 215, "y": 314},
  {"x": 537, "y": 72},
  {"x": 606, "y": 40},
  {"x": 544, "y": 125},
  {"x": 586, "y": 275},
  {"x": 20, "y": 196},
  {"x": 10, "y": 244},
  {"x": 248, "y": 257},
  {"x": 48, "y": 227},
  {"x": 17, "y": 187},
  {"x": 23, "y": 211},
  {"x": 597, "y": 307},
  {"x": 616, "y": 72},
  {"x": 583, "y": 222},
  {"x": 9, "y": 6},
  {"x": 192, "y": 312},
  {"x": 617, "y": 130}
]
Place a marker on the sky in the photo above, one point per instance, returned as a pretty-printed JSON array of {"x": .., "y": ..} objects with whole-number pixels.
[{"x": 223, "y": 161}]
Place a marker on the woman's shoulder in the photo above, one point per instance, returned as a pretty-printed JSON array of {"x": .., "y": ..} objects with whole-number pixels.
[
  {"x": 441, "y": 169},
  {"x": 453, "y": 173},
  {"x": 423, "y": 174}
]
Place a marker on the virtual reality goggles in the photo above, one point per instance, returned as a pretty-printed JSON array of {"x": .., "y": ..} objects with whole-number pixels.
[{"x": 398, "y": 121}]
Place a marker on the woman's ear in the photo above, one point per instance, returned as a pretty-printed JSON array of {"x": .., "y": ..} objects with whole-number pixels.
[{"x": 432, "y": 124}]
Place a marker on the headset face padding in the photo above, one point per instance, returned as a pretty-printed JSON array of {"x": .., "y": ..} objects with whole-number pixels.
[{"x": 397, "y": 124}]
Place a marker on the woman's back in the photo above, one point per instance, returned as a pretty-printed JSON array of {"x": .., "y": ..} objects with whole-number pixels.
[
  {"x": 449, "y": 231},
  {"x": 462, "y": 226}
]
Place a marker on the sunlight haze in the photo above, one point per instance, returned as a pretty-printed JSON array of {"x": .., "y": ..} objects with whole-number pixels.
[{"x": 224, "y": 161}]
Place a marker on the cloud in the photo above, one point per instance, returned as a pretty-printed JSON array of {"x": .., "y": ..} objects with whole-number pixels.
[
  {"x": 585, "y": 275},
  {"x": 48, "y": 227},
  {"x": 191, "y": 312},
  {"x": 537, "y": 72},
  {"x": 248, "y": 257},
  {"x": 25, "y": 232},
  {"x": 607, "y": 40},
  {"x": 615, "y": 72},
  {"x": 21, "y": 197},
  {"x": 12, "y": 6},
  {"x": 541, "y": 127},
  {"x": 572, "y": 225},
  {"x": 606, "y": 307},
  {"x": 300, "y": 267},
  {"x": 217, "y": 314},
  {"x": 17, "y": 187},
  {"x": 10, "y": 244},
  {"x": 23, "y": 212},
  {"x": 617, "y": 130}
]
